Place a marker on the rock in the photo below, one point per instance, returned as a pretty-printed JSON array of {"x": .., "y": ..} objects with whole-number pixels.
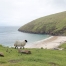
[
  {"x": 1, "y": 54},
  {"x": 24, "y": 51},
  {"x": 58, "y": 48}
]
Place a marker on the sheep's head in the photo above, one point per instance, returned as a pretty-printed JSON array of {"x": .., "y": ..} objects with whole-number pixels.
[{"x": 26, "y": 41}]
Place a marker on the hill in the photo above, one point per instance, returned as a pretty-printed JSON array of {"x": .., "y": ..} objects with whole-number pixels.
[{"x": 54, "y": 24}]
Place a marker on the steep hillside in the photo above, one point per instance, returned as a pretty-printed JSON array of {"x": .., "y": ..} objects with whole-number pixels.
[{"x": 54, "y": 24}]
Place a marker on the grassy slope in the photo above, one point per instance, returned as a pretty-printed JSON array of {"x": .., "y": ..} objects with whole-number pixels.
[
  {"x": 39, "y": 57},
  {"x": 53, "y": 24},
  {"x": 63, "y": 46}
]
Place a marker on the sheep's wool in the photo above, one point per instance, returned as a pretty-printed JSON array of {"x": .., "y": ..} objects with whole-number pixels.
[{"x": 20, "y": 43}]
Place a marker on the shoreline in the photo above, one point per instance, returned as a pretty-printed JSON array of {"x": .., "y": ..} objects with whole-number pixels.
[{"x": 48, "y": 43}]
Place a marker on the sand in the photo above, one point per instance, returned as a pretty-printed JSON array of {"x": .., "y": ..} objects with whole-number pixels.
[{"x": 49, "y": 43}]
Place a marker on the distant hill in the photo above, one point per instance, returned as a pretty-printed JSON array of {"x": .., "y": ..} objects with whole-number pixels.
[{"x": 54, "y": 24}]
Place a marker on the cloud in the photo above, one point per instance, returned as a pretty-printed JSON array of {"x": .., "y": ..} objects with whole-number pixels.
[{"x": 20, "y": 12}]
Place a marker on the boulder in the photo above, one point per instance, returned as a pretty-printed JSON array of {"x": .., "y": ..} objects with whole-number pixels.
[
  {"x": 1, "y": 54},
  {"x": 24, "y": 51}
]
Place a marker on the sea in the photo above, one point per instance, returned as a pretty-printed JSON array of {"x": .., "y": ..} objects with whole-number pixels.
[{"x": 10, "y": 34}]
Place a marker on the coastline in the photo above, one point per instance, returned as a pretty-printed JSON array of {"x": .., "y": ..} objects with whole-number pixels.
[{"x": 48, "y": 43}]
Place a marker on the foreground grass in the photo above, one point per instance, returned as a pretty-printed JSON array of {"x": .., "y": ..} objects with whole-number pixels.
[{"x": 39, "y": 57}]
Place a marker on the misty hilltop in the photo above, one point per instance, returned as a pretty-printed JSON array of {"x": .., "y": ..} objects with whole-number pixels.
[{"x": 54, "y": 24}]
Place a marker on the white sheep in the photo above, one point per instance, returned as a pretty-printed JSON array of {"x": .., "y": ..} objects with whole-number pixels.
[{"x": 20, "y": 44}]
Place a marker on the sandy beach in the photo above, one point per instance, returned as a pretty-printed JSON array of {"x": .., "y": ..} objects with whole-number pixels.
[{"x": 49, "y": 43}]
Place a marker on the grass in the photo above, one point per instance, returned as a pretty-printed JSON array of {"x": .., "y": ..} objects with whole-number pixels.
[
  {"x": 63, "y": 46},
  {"x": 38, "y": 57}
]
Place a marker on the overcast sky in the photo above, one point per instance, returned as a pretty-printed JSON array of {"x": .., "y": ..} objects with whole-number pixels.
[{"x": 20, "y": 12}]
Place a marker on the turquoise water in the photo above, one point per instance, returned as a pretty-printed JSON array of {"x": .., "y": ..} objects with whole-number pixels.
[{"x": 8, "y": 36}]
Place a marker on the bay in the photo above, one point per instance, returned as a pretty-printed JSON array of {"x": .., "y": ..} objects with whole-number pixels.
[{"x": 9, "y": 34}]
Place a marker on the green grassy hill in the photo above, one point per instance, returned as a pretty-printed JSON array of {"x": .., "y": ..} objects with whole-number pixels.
[
  {"x": 54, "y": 24},
  {"x": 38, "y": 57}
]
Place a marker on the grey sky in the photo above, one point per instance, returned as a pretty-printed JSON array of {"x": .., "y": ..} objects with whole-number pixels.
[{"x": 20, "y": 12}]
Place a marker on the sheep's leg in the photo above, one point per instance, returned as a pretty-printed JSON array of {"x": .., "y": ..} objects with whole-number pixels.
[
  {"x": 23, "y": 47},
  {"x": 15, "y": 47},
  {"x": 20, "y": 47}
]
